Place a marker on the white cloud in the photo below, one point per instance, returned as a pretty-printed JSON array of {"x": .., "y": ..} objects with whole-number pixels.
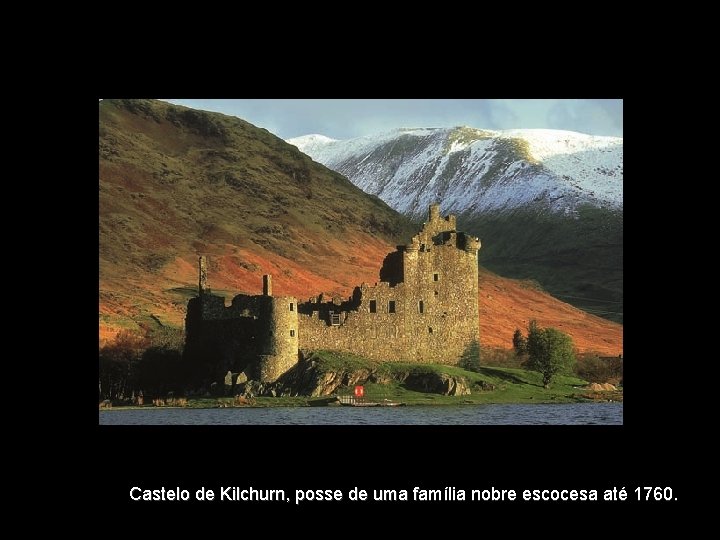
[{"x": 347, "y": 118}]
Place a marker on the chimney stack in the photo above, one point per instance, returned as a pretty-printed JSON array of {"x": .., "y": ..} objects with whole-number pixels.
[
  {"x": 202, "y": 286},
  {"x": 267, "y": 285}
]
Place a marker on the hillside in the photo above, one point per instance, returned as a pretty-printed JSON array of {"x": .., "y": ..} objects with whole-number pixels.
[
  {"x": 507, "y": 304},
  {"x": 176, "y": 183},
  {"x": 547, "y": 204}
]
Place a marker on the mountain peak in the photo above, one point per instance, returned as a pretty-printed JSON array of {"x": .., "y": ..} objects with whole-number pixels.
[{"x": 476, "y": 169}]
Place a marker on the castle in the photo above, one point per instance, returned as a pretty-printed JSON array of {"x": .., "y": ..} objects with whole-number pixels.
[{"x": 424, "y": 309}]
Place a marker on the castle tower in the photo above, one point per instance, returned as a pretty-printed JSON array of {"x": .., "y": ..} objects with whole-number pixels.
[
  {"x": 267, "y": 285},
  {"x": 440, "y": 290},
  {"x": 280, "y": 350}
]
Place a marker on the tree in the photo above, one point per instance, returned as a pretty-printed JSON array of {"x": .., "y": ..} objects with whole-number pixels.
[
  {"x": 593, "y": 367},
  {"x": 550, "y": 352},
  {"x": 149, "y": 362},
  {"x": 470, "y": 359},
  {"x": 118, "y": 364},
  {"x": 160, "y": 370},
  {"x": 519, "y": 342},
  {"x": 166, "y": 337}
]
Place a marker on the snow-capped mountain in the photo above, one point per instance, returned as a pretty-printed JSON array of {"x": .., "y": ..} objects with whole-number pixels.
[
  {"x": 546, "y": 204},
  {"x": 471, "y": 170}
]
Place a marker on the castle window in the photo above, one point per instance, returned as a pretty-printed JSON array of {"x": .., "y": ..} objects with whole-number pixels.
[
  {"x": 429, "y": 329},
  {"x": 436, "y": 293},
  {"x": 421, "y": 306},
  {"x": 391, "y": 306},
  {"x": 292, "y": 332},
  {"x": 334, "y": 318},
  {"x": 436, "y": 277},
  {"x": 292, "y": 306},
  {"x": 373, "y": 306},
  {"x": 422, "y": 247}
]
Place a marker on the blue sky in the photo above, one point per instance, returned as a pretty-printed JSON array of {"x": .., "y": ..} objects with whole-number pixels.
[{"x": 348, "y": 118}]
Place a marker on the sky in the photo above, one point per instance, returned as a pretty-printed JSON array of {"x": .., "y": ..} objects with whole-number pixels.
[{"x": 349, "y": 118}]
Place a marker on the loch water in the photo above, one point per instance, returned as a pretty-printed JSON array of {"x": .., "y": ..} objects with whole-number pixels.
[{"x": 496, "y": 414}]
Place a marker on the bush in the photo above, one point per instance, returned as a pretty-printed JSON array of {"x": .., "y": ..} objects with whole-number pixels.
[
  {"x": 151, "y": 363},
  {"x": 550, "y": 352},
  {"x": 471, "y": 357},
  {"x": 501, "y": 358},
  {"x": 519, "y": 342},
  {"x": 118, "y": 364},
  {"x": 594, "y": 368}
]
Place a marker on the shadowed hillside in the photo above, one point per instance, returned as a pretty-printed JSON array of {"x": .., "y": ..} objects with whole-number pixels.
[{"x": 176, "y": 183}]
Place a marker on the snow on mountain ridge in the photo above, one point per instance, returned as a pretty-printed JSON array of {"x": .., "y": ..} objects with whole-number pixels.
[{"x": 477, "y": 170}]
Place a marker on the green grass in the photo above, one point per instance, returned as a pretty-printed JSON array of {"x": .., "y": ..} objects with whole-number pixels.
[
  {"x": 511, "y": 385},
  {"x": 284, "y": 401}
]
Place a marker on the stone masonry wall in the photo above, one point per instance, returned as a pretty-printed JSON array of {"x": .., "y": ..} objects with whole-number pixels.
[
  {"x": 258, "y": 334},
  {"x": 435, "y": 316},
  {"x": 427, "y": 311}
]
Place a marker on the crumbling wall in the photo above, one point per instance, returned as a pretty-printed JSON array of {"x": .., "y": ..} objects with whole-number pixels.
[
  {"x": 257, "y": 334},
  {"x": 425, "y": 309},
  {"x": 434, "y": 311}
]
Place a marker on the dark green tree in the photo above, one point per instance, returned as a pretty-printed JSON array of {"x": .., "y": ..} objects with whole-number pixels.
[
  {"x": 550, "y": 352},
  {"x": 470, "y": 359},
  {"x": 118, "y": 365},
  {"x": 519, "y": 342}
]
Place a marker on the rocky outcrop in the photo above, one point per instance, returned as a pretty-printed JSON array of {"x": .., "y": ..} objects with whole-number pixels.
[
  {"x": 438, "y": 383},
  {"x": 310, "y": 378},
  {"x": 600, "y": 387},
  {"x": 484, "y": 386}
]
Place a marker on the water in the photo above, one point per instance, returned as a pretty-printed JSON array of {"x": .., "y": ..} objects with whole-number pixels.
[{"x": 511, "y": 414}]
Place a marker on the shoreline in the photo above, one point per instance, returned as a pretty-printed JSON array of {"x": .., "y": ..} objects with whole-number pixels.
[
  {"x": 429, "y": 385},
  {"x": 433, "y": 400}
]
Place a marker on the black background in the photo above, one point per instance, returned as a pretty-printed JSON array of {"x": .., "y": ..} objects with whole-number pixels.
[{"x": 648, "y": 450}]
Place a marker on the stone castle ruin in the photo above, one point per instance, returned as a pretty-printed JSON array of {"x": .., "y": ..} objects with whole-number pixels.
[{"x": 424, "y": 309}]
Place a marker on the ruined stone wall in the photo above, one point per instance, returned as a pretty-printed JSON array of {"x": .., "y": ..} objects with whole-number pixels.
[
  {"x": 435, "y": 311},
  {"x": 252, "y": 334},
  {"x": 434, "y": 321},
  {"x": 380, "y": 335},
  {"x": 217, "y": 340}
]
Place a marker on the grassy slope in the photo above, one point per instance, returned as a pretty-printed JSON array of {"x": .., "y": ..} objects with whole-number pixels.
[
  {"x": 176, "y": 183},
  {"x": 512, "y": 385}
]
